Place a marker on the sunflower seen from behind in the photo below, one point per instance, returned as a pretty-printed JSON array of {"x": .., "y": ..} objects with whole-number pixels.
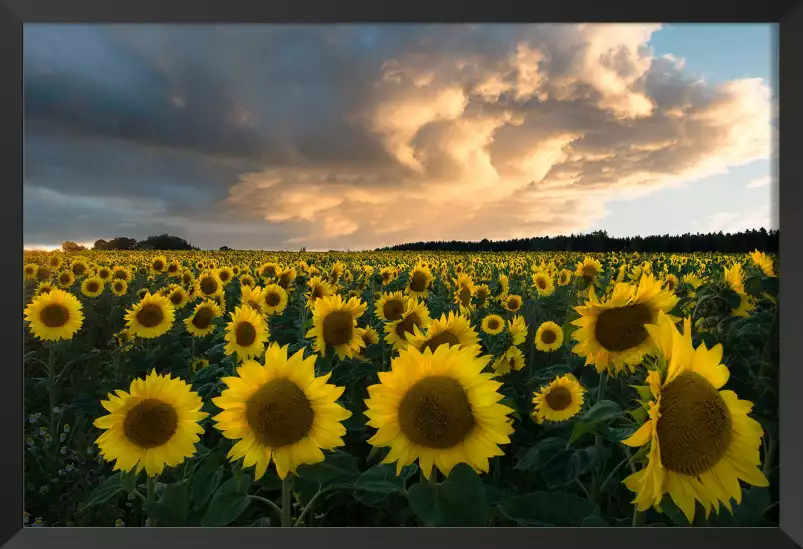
[
  {"x": 54, "y": 315},
  {"x": 558, "y": 401},
  {"x": 151, "y": 317},
  {"x": 279, "y": 411},
  {"x": 153, "y": 425},
  {"x": 438, "y": 409},
  {"x": 246, "y": 334},
  {"x": 701, "y": 441}
]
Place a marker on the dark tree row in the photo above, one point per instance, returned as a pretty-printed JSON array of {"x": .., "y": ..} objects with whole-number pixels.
[
  {"x": 599, "y": 241},
  {"x": 158, "y": 242}
]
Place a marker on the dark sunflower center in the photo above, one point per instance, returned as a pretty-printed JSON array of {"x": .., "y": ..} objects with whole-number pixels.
[
  {"x": 493, "y": 323},
  {"x": 316, "y": 293},
  {"x": 269, "y": 271},
  {"x": 203, "y": 318},
  {"x": 224, "y": 276},
  {"x": 254, "y": 305},
  {"x": 245, "y": 334},
  {"x": 465, "y": 296},
  {"x": 589, "y": 271},
  {"x": 150, "y": 315},
  {"x": 670, "y": 285},
  {"x": 284, "y": 280},
  {"x": 623, "y": 328},
  {"x": 436, "y": 413},
  {"x": 559, "y": 398},
  {"x": 548, "y": 337},
  {"x": 208, "y": 285},
  {"x": 118, "y": 287},
  {"x": 54, "y": 315},
  {"x": 279, "y": 413},
  {"x": 42, "y": 273},
  {"x": 103, "y": 273},
  {"x": 186, "y": 279},
  {"x": 695, "y": 427},
  {"x": 338, "y": 327},
  {"x": 150, "y": 423},
  {"x": 418, "y": 283},
  {"x": 119, "y": 274},
  {"x": 443, "y": 338},
  {"x": 513, "y": 304},
  {"x": 92, "y": 286},
  {"x": 406, "y": 325},
  {"x": 65, "y": 278},
  {"x": 482, "y": 294},
  {"x": 176, "y": 298},
  {"x": 158, "y": 265},
  {"x": 393, "y": 310},
  {"x": 172, "y": 268},
  {"x": 31, "y": 270},
  {"x": 541, "y": 284},
  {"x": 273, "y": 299}
]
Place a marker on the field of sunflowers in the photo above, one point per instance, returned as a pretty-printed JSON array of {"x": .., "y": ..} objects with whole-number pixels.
[{"x": 270, "y": 389}]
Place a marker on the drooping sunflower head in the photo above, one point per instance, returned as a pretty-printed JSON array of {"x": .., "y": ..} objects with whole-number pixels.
[
  {"x": 701, "y": 439},
  {"x": 153, "y": 425},
  {"x": 391, "y": 306},
  {"x": 511, "y": 360},
  {"x": 416, "y": 314},
  {"x": 447, "y": 330},
  {"x": 209, "y": 284},
  {"x": 54, "y": 315},
  {"x": 151, "y": 317},
  {"x": 439, "y": 409},
  {"x": 504, "y": 285},
  {"x": 543, "y": 283},
  {"x": 124, "y": 340},
  {"x": 66, "y": 279},
  {"x": 493, "y": 324},
  {"x": 92, "y": 286},
  {"x": 518, "y": 329},
  {"x": 335, "y": 325},
  {"x": 420, "y": 281},
  {"x": 246, "y": 334},
  {"x": 119, "y": 287},
  {"x": 199, "y": 323},
  {"x": 560, "y": 400},
  {"x": 274, "y": 299},
  {"x": 280, "y": 411},
  {"x": 548, "y": 337}
]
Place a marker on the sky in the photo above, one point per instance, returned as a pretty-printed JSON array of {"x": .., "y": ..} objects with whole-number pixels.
[{"x": 361, "y": 136}]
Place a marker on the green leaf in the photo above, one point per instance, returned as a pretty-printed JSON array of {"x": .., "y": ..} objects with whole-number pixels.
[
  {"x": 603, "y": 410},
  {"x": 732, "y": 298},
  {"x": 750, "y": 512},
  {"x": 172, "y": 507},
  {"x": 549, "y": 508},
  {"x": 128, "y": 481},
  {"x": 584, "y": 459},
  {"x": 381, "y": 479},
  {"x": 458, "y": 501},
  {"x": 593, "y": 521},
  {"x": 225, "y": 508},
  {"x": 206, "y": 374},
  {"x": 338, "y": 466},
  {"x": 204, "y": 483},
  {"x": 770, "y": 285},
  {"x": 105, "y": 491}
]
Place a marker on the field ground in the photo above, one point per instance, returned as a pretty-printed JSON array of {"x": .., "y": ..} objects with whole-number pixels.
[{"x": 539, "y": 443}]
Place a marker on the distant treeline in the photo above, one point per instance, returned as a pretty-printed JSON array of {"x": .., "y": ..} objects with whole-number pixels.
[
  {"x": 599, "y": 241},
  {"x": 157, "y": 242}
]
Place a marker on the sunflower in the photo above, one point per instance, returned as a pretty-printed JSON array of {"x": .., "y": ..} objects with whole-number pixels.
[
  {"x": 246, "y": 334},
  {"x": 274, "y": 300},
  {"x": 54, "y": 315},
  {"x": 178, "y": 297},
  {"x": 119, "y": 287},
  {"x": 390, "y": 307},
  {"x": 174, "y": 269},
  {"x": 247, "y": 280},
  {"x": 415, "y": 314},
  {"x": 29, "y": 271},
  {"x": 209, "y": 284},
  {"x": 544, "y": 284},
  {"x": 512, "y": 303},
  {"x": 763, "y": 262},
  {"x": 440, "y": 409},
  {"x": 335, "y": 325},
  {"x": 254, "y": 297},
  {"x": 66, "y": 279},
  {"x": 589, "y": 269},
  {"x": 448, "y": 330},
  {"x": 369, "y": 336},
  {"x": 225, "y": 275},
  {"x": 734, "y": 278},
  {"x": 387, "y": 275},
  {"x": 153, "y": 425},
  {"x": 269, "y": 271},
  {"x": 482, "y": 295},
  {"x": 43, "y": 273},
  {"x": 518, "y": 329},
  {"x": 286, "y": 278},
  {"x": 701, "y": 439},
  {"x": 562, "y": 399},
  {"x": 54, "y": 261},
  {"x": 121, "y": 273},
  {"x": 43, "y": 288},
  {"x": 92, "y": 287},
  {"x": 493, "y": 324},
  {"x": 151, "y": 317},
  {"x": 548, "y": 337},
  {"x": 565, "y": 277},
  {"x": 511, "y": 359},
  {"x": 142, "y": 292},
  {"x": 671, "y": 282},
  {"x": 187, "y": 278},
  {"x": 198, "y": 364},
  {"x": 79, "y": 268},
  {"x": 611, "y": 333},
  {"x": 124, "y": 340},
  {"x": 279, "y": 410},
  {"x": 158, "y": 265},
  {"x": 420, "y": 280},
  {"x": 318, "y": 289},
  {"x": 199, "y": 324}
]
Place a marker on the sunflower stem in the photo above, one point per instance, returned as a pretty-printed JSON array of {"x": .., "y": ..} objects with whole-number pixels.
[
  {"x": 287, "y": 510},
  {"x": 268, "y": 503},
  {"x": 433, "y": 477},
  {"x": 603, "y": 378},
  {"x": 149, "y": 498},
  {"x": 52, "y": 385},
  {"x": 638, "y": 517}
]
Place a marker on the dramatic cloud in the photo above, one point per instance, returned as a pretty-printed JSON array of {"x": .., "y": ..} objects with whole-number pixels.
[{"x": 360, "y": 136}]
